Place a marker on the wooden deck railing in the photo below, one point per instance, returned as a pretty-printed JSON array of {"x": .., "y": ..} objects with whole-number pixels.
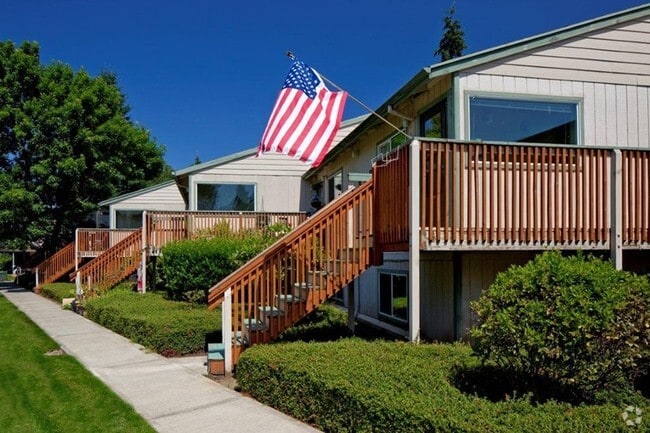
[
  {"x": 56, "y": 266},
  {"x": 167, "y": 226},
  {"x": 93, "y": 242},
  {"x": 111, "y": 267},
  {"x": 293, "y": 276},
  {"x": 528, "y": 195},
  {"x": 636, "y": 197},
  {"x": 391, "y": 206}
]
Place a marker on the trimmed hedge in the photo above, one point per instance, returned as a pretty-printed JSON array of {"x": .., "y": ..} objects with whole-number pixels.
[
  {"x": 58, "y": 291},
  {"x": 358, "y": 386},
  {"x": 190, "y": 267},
  {"x": 167, "y": 327},
  {"x": 326, "y": 323}
]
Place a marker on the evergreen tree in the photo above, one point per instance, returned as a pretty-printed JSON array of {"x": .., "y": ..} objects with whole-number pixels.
[{"x": 452, "y": 43}]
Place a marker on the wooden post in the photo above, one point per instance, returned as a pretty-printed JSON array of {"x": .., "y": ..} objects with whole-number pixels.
[
  {"x": 76, "y": 250},
  {"x": 351, "y": 304},
  {"x": 616, "y": 210},
  {"x": 143, "y": 263},
  {"x": 414, "y": 242},
  {"x": 226, "y": 330}
]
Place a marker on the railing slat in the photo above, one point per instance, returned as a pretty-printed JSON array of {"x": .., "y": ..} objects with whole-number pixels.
[{"x": 528, "y": 195}]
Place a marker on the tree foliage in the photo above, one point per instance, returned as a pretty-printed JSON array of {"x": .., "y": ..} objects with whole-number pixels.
[
  {"x": 574, "y": 321},
  {"x": 452, "y": 43},
  {"x": 67, "y": 143}
]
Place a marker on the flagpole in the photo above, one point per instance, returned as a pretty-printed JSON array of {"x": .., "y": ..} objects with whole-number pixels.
[{"x": 293, "y": 57}]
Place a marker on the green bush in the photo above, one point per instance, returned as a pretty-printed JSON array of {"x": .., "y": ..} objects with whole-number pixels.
[
  {"x": 191, "y": 267},
  {"x": 572, "y": 322},
  {"x": 58, "y": 291},
  {"x": 326, "y": 323},
  {"x": 353, "y": 385},
  {"x": 167, "y": 327},
  {"x": 5, "y": 262}
]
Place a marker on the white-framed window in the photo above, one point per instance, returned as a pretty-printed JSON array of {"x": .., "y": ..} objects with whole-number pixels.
[
  {"x": 524, "y": 120},
  {"x": 391, "y": 143},
  {"x": 225, "y": 196},
  {"x": 334, "y": 185},
  {"x": 128, "y": 219},
  {"x": 393, "y": 296}
]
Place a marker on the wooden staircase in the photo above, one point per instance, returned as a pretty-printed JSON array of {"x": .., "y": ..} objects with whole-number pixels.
[
  {"x": 112, "y": 266},
  {"x": 56, "y": 266},
  {"x": 299, "y": 272}
]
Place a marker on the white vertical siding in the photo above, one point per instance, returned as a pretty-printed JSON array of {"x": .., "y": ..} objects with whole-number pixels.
[{"x": 608, "y": 70}]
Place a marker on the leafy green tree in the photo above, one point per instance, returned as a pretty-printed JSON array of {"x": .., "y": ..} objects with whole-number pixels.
[
  {"x": 67, "y": 143},
  {"x": 452, "y": 43}
]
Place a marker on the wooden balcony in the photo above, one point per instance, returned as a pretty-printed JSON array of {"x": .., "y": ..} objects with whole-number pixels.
[
  {"x": 93, "y": 242},
  {"x": 515, "y": 196},
  {"x": 163, "y": 227}
]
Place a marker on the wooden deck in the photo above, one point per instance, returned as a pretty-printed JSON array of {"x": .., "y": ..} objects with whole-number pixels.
[
  {"x": 116, "y": 253},
  {"x": 477, "y": 196}
]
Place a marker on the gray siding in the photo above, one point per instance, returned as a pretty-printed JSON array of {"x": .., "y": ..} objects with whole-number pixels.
[
  {"x": 278, "y": 179},
  {"x": 437, "y": 296}
]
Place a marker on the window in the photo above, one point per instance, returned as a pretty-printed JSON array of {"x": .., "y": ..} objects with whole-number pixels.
[
  {"x": 225, "y": 196},
  {"x": 334, "y": 186},
  {"x": 391, "y": 144},
  {"x": 128, "y": 219},
  {"x": 393, "y": 296},
  {"x": 527, "y": 121},
  {"x": 433, "y": 122}
]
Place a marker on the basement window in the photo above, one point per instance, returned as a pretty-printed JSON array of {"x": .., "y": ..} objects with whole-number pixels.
[{"x": 393, "y": 296}]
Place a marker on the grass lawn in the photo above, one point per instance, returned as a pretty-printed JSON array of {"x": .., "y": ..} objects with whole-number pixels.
[{"x": 42, "y": 393}]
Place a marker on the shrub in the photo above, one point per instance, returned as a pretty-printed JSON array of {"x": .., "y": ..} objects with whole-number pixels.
[
  {"x": 326, "y": 323},
  {"x": 58, "y": 291},
  {"x": 5, "y": 262},
  {"x": 359, "y": 386},
  {"x": 167, "y": 327},
  {"x": 191, "y": 267},
  {"x": 574, "y": 322}
]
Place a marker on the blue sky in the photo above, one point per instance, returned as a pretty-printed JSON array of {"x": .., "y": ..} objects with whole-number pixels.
[{"x": 203, "y": 75}]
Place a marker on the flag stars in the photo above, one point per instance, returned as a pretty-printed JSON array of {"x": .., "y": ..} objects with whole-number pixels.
[{"x": 302, "y": 78}]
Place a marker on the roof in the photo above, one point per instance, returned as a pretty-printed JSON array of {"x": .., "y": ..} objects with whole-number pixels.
[
  {"x": 487, "y": 56},
  {"x": 123, "y": 197},
  {"x": 245, "y": 153}
]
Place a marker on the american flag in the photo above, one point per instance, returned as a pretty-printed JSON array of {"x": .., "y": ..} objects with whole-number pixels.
[{"x": 305, "y": 118}]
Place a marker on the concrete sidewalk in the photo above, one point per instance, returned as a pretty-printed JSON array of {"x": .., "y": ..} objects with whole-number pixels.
[{"x": 170, "y": 396}]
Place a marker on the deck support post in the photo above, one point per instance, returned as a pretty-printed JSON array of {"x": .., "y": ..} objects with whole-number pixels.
[
  {"x": 350, "y": 293},
  {"x": 143, "y": 259},
  {"x": 414, "y": 242},
  {"x": 226, "y": 330},
  {"x": 76, "y": 250},
  {"x": 616, "y": 210}
]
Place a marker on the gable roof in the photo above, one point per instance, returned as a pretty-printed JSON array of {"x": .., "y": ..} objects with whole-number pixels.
[
  {"x": 246, "y": 153},
  {"x": 137, "y": 193},
  {"x": 487, "y": 56}
]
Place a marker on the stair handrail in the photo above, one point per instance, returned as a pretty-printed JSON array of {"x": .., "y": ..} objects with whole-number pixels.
[
  {"x": 65, "y": 257},
  {"x": 93, "y": 268},
  {"x": 215, "y": 293}
]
